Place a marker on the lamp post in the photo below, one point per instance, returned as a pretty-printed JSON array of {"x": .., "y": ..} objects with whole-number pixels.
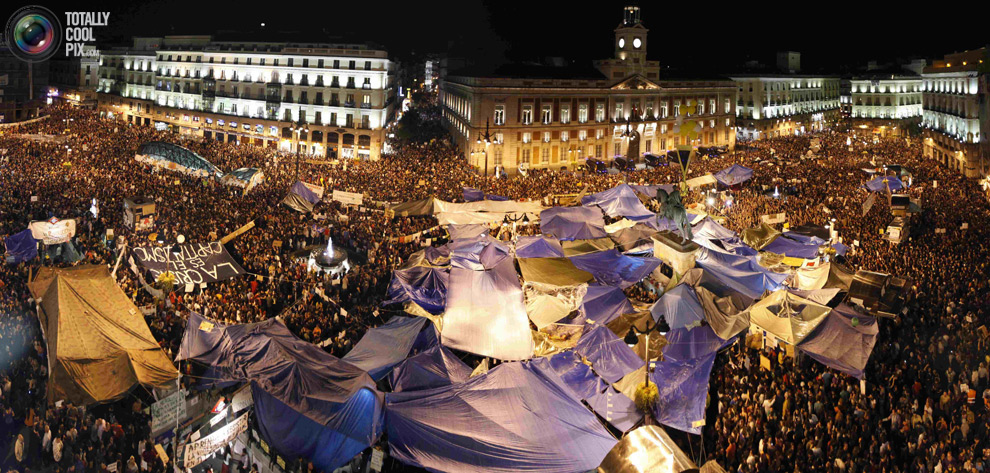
[
  {"x": 299, "y": 130},
  {"x": 632, "y": 339},
  {"x": 487, "y": 137}
]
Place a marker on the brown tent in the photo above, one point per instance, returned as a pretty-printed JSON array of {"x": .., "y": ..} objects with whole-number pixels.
[{"x": 99, "y": 346}]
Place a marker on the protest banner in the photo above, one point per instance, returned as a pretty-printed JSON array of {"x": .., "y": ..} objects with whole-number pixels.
[
  {"x": 192, "y": 263},
  {"x": 53, "y": 231},
  {"x": 167, "y": 411},
  {"x": 348, "y": 198}
]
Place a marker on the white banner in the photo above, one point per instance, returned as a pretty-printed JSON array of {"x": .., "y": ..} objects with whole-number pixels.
[
  {"x": 167, "y": 411},
  {"x": 348, "y": 198},
  {"x": 201, "y": 449},
  {"x": 318, "y": 190},
  {"x": 54, "y": 231},
  {"x": 774, "y": 218}
]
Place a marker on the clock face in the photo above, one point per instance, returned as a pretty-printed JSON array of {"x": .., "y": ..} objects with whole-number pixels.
[
  {"x": 637, "y": 43},
  {"x": 622, "y": 43}
]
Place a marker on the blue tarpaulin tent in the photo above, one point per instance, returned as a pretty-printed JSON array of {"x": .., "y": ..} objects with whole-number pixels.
[
  {"x": 683, "y": 387},
  {"x": 383, "y": 347},
  {"x": 575, "y": 374},
  {"x": 308, "y": 403},
  {"x": 782, "y": 245},
  {"x": 679, "y": 306},
  {"x": 466, "y": 230},
  {"x": 619, "y": 201},
  {"x": 615, "y": 269},
  {"x": 839, "y": 344},
  {"x": 301, "y": 198},
  {"x": 538, "y": 246},
  {"x": 21, "y": 247},
  {"x": 609, "y": 355},
  {"x": 877, "y": 184},
  {"x": 740, "y": 273},
  {"x": 518, "y": 417},
  {"x": 615, "y": 407},
  {"x": 473, "y": 195},
  {"x": 603, "y": 304},
  {"x": 735, "y": 174},
  {"x": 651, "y": 190},
  {"x": 477, "y": 253},
  {"x": 573, "y": 223},
  {"x": 432, "y": 368},
  {"x": 424, "y": 285},
  {"x": 684, "y": 344}
]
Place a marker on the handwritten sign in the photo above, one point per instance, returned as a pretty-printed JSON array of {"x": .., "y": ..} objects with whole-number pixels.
[{"x": 193, "y": 263}]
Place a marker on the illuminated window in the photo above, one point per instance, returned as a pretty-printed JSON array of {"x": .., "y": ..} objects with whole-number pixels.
[
  {"x": 547, "y": 114},
  {"x": 583, "y": 113},
  {"x": 527, "y": 115},
  {"x": 500, "y": 114}
]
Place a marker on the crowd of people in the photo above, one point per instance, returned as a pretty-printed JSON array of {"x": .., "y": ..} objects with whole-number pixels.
[{"x": 918, "y": 411}]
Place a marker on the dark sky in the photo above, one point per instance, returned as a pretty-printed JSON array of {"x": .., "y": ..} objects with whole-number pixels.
[{"x": 692, "y": 34}]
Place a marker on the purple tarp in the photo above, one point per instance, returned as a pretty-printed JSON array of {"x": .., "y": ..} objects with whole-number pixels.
[
  {"x": 609, "y": 355},
  {"x": 424, "y": 285},
  {"x": 383, "y": 347},
  {"x": 836, "y": 343},
  {"x": 573, "y": 223},
  {"x": 782, "y": 245},
  {"x": 432, "y": 368},
  {"x": 538, "y": 246},
  {"x": 603, "y": 304},
  {"x": 740, "y": 273},
  {"x": 619, "y": 201},
  {"x": 616, "y": 269},
  {"x": 679, "y": 306},
  {"x": 683, "y": 387}
]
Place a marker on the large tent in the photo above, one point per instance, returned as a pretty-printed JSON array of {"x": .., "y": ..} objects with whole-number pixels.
[
  {"x": 308, "y": 403},
  {"x": 787, "y": 316},
  {"x": 880, "y": 184},
  {"x": 843, "y": 341},
  {"x": 619, "y": 201},
  {"x": 383, "y": 347},
  {"x": 573, "y": 223},
  {"x": 432, "y": 368},
  {"x": 616, "y": 269},
  {"x": 741, "y": 273},
  {"x": 538, "y": 246},
  {"x": 99, "y": 346},
  {"x": 517, "y": 417},
  {"x": 424, "y": 285}
]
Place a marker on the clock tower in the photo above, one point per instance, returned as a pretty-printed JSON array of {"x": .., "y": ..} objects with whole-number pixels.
[{"x": 630, "y": 38}]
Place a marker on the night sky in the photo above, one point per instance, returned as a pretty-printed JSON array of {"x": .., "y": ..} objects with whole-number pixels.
[{"x": 685, "y": 35}]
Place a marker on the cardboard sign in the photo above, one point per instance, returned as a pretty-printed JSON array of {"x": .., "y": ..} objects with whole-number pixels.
[{"x": 765, "y": 363}]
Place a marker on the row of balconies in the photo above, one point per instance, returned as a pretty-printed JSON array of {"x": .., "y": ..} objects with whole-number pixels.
[{"x": 314, "y": 65}]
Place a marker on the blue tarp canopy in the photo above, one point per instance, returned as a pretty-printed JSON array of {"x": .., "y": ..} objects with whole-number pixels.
[
  {"x": 650, "y": 190},
  {"x": 21, "y": 247},
  {"x": 619, "y": 201},
  {"x": 616, "y": 269},
  {"x": 603, "y": 304},
  {"x": 740, "y": 273},
  {"x": 573, "y": 223},
  {"x": 804, "y": 239},
  {"x": 735, "y": 174},
  {"x": 518, "y": 417},
  {"x": 175, "y": 157},
  {"x": 538, "y": 246},
  {"x": 300, "y": 189},
  {"x": 840, "y": 249},
  {"x": 432, "y": 368},
  {"x": 424, "y": 285},
  {"x": 838, "y": 344},
  {"x": 683, "y": 387},
  {"x": 877, "y": 184},
  {"x": 710, "y": 229},
  {"x": 308, "y": 403},
  {"x": 609, "y": 355},
  {"x": 615, "y": 407},
  {"x": 782, "y": 245},
  {"x": 460, "y": 231},
  {"x": 575, "y": 374},
  {"x": 477, "y": 253},
  {"x": 679, "y": 306},
  {"x": 473, "y": 195},
  {"x": 685, "y": 344},
  {"x": 383, "y": 347}
]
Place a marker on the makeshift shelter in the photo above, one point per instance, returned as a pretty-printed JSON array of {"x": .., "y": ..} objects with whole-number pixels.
[
  {"x": 573, "y": 223},
  {"x": 650, "y": 191},
  {"x": 647, "y": 449},
  {"x": 787, "y": 316},
  {"x": 615, "y": 269},
  {"x": 726, "y": 315},
  {"x": 473, "y": 195},
  {"x": 679, "y": 307},
  {"x": 609, "y": 355},
  {"x": 759, "y": 237},
  {"x": 700, "y": 181},
  {"x": 467, "y": 230},
  {"x": 582, "y": 247},
  {"x": 740, "y": 273},
  {"x": 516, "y": 417},
  {"x": 635, "y": 239},
  {"x": 576, "y": 374},
  {"x": 812, "y": 278},
  {"x": 843, "y": 341},
  {"x": 812, "y": 231},
  {"x": 602, "y": 304},
  {"x": 485, "y": 314},
  {"x": 308, "y": 403},
  {"x": 690, "y": 343},
  {"x": 883, "y": 183},
  {"x": 21, "y": 247},
  {"x": 538, "y": 246},
  {"x": 383, "y": 347},
  {"x": 99, "y": 346},
  {"x": 839, "y": 277},
  {"x": 787, "y": 246},
  {"x": 431, "y": 256},
  {"x": 415, "y": 208},
  {"x": 683, "y": 390},
  {"x": 735, "y": 174},
  {"x": 424, "y": 285},
  {"x": 552, "y": 271},
  {"x": 710, "y": 229},
  {"x": 613, "y": 406},
  {"x": 619, "y": 201},
  {"x": 301, "y": 197},
  {"x": 477, "y": 253},
  {"x": 432, "y": 368},
  {"x": 485, "y": 211}
]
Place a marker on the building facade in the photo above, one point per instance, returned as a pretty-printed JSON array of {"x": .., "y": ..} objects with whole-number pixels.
[
  {"x": 556, "y": 117},
  {"x": 324, "y": 100},
  {"x": 887, "y": 104},
  {"x": 771, "y": 105},
  {"x": 75, "y": 79},
  {"x": 954, "y": 120},
  {"x": 23, "y": 88}
]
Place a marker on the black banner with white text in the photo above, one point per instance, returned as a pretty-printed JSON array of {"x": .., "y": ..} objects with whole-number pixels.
[{"x": 193, "y": 263}]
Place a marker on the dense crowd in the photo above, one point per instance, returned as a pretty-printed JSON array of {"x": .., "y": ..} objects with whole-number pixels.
[{"x": 918, "y": 411}]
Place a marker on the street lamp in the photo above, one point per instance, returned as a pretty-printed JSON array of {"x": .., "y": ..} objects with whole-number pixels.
[
  {"x": 632, "y": 339},
  {"x": 298, "y": 130},
  {"x": 487, "y": 137}
]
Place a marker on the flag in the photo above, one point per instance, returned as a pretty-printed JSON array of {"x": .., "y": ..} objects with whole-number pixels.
[{"x": 21, "y": 247}]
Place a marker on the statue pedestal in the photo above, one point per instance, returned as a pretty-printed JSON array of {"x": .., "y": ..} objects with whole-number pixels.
[{"x": 675, "y": 251}]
